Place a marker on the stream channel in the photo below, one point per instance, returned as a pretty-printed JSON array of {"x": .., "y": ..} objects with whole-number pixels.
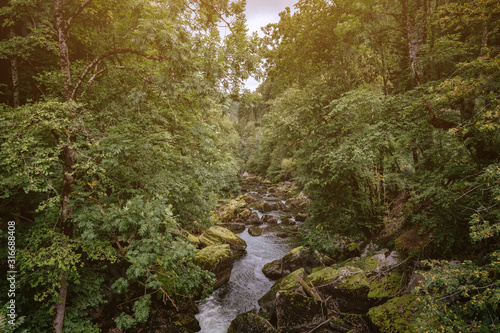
[{"x": 247, "y": 283}]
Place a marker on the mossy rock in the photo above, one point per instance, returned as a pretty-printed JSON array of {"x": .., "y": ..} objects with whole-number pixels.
[
  {"x": 350, "y": 322},
  {"x": 299, "y": 257},
  {"x": 210, "y": 256},
  {"x": 233, "y": 226},
  {"x": 269, "y": 219},
  {"x": 396, "y": 315},
  {"x": 228, "y": 211},
  {"x": 217, "y": 259},
  {"x": 218, "y": 235},
  {"x": 245, "y": 212},
  {"x": 191, "y": 238},
  {"x": 296, "y": 313},
  {"x": 255, "y": 231},
  {"x": 353, "y": 289},
  {"x": 322, "y": 275},
  {"x": 288, "y": 283},
  {"x": 386, "y": 286},
  {"x": 250, "y": 322}
]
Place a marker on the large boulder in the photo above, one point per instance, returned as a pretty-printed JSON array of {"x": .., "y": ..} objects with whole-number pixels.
[
  {"x": 228, "y": 211},
  {"x": 293, "y": 260},
  {"x": 217, "y": 259},
  {"x": 269, "y": 219},
  {"x": 358, "y": 285},
  {"x": 233, "y": 226},
  {"x": 250, "y": 322},
  {"x": 296, "y": 313},
  {"x": 396, "y": 315},
  {"x": 255, "y": 231},
  {"x": 217, "y": 235},
  {"x": 253, "y": 218},
  {"x": 288, "y": 283},
  {"x": 263, "y": 207},
  {"x": 169, "y": 318}
]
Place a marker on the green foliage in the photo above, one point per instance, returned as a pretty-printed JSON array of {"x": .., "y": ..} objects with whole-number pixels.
[
  {"x": 147, "y": 120},
  {"x": 141, "y": 313},
  {"x": 461, "y": 297}
]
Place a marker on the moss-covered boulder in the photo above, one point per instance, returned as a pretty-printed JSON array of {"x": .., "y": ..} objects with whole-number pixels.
[
  {"x": 228, "y": 211},
  {"x": 293, "y": 260},
  {"x": 296, "y": 313},
  {"x": 269, "y": 219},
  {"x": 288, "y": 283},
  {"x": 165, "y": 317},
  {"x": 358, "y": 285},
  {"x": 235, "y": 227},
  {"x": 191, "y": 238},
  {"x": 217, "y": 259},
  {"x": 349, "y": 322},
  {"x": 250, "y": 322},
  {"x": 253, "y": 218},
  {"x": 255, "y": 231},
  {"x": 396, "y": 315},
  {"x": 217, "y": 235}
]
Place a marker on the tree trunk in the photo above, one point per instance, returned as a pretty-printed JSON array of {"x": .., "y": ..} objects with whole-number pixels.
[
  {"x": 61, "y": 307},
  {"x": 68, "y": 158},
  {"x": 14, "y": 73},
  {"x": 62, "y": 30},
  {"x": 411, "y": 45},
  {"x": 484, "y": 39}
]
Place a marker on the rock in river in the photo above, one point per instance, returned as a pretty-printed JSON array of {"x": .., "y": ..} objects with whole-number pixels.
[
  {"x": 250, "y": 322},
  {"x": 217, "y": 259},
  {"x": 219, "y": 235}
]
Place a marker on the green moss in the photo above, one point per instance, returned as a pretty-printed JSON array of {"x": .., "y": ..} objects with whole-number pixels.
[
  {"x": 318, "y": 269},
  {"x": 210, "y": 256},
  {"x": 385, "y": 286},
  {"x": 298, "y": 300},
  {"x": 354, "y": 281},
  {"x": 290, "y": 281},
  {"x": 322, "y": 275},
  {"x": 352, "y": 246},
  {"x": 287, "y": 283},
  {"x": 396, "y": 315},
  {"x": 193, "y": 240},
  {"x": 297, "y": 249},
  {"x": 218, "y": 235}
]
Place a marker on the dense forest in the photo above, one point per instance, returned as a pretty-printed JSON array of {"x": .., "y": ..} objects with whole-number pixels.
[{"x": 123, "y": 122}]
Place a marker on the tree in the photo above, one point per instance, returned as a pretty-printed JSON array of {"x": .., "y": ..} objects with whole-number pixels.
[{"x": 125, "y": 136}]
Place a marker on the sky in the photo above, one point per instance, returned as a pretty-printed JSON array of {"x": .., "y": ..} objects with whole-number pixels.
[{"x": 259, "y": 14}]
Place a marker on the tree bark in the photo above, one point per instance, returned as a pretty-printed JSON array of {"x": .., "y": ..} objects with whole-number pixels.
[
  {"x": 62, "y": 30},
  {"x": 411, "y": 45},
  {"x": 61, "y": 307},
  {"x": 14, "y": 72},
  {"x": 484, "y": 38},
  {"x": 68, "y": 158}
]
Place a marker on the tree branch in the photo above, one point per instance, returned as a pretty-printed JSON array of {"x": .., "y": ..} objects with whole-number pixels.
[
  {"x": 94, "y": 63},
  {"x": 216, "y": 11},
  {"x": 435, "y": 121},
  {"x": 69, "y": 21}
]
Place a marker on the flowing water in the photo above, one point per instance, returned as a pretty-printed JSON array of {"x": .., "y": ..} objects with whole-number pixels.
[{"x": 247, "y": 284}]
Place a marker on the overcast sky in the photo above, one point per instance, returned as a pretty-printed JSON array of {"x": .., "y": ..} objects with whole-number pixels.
[{"x": 259, "y": 14}]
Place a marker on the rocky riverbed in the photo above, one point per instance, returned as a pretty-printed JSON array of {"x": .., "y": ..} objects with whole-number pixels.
[{"x": 265, "y": 283}]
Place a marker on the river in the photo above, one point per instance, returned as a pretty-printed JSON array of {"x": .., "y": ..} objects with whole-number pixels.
[{"x": 247, "y": 283}]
